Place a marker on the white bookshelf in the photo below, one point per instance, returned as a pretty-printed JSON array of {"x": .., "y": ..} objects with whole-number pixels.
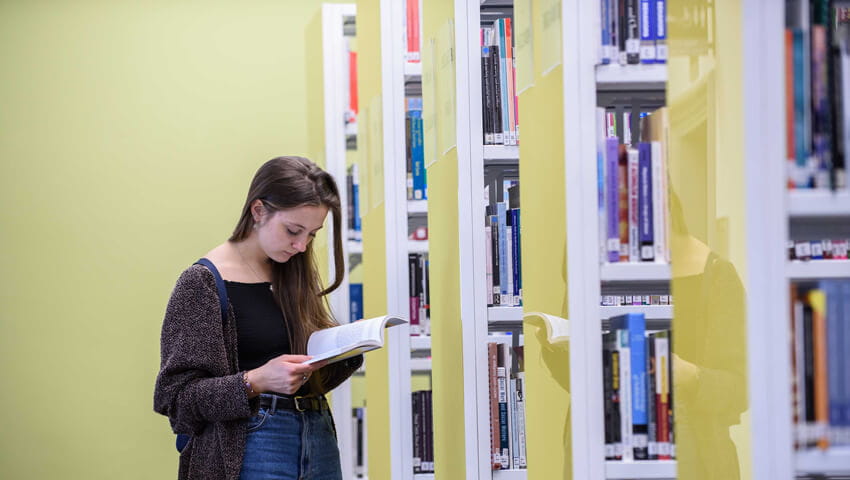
[
  {"x": 423, "y": 476},
  {"x": 420, "y": 342},
  {"x": 355, "y": 247},
  {"x": 632, "y": 76},
  {"x": 420, "y": 364},
  {"x": 835, "y": 461},
  {"x": 501, "y": 152},
  {"x": 412, "y": 71},
  {"x": 634, "y": 272},
  {"x": 335, "y": 83},
  {"x": 650, "y": 312},
  {"x": 651, "y": 469},
  {"x": 817, "y": 269},
  {"x": 518, "y": 474},
  {"x": 417, "y": 207},
  {"x": 417, "y": 246},
  {"x": 818, "y": 203},
  {"x": 504, "y": 315}
]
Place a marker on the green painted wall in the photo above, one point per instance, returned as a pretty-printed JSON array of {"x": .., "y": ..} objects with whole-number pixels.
[{"x": 128, "y": 134}]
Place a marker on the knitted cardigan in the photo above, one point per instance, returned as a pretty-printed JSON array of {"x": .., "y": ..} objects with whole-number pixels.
[{"x": 199, "y": 386}]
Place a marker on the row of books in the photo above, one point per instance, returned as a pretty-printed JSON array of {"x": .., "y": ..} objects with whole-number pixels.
[
  {"x": 820, "y": 326},
  {"x": 423, "y": 432},
  {"x": 633, "y": 31},
  {"x": 826, "y": 249},
  {"x": 504, "y": 265},
  {"x": 620, "y": 300},
  {"x": 633, "y": 198},
  {"x": 419, "y": 301},
  {"x": 417, "y": 185},
  {"x": 638, "y": 398},
  {"x": 507, "y": 406},
  {"x": 352, "y": 185},
  {"x": 817, "y": 85},
  {"x": 499, "y": 102}
]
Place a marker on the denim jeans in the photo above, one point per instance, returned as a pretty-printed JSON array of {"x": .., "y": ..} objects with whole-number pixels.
[{"x": 291, "y": 445}]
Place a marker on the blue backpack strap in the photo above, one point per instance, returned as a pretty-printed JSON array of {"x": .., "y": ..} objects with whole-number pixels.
[
  {"x": 219, "y": 284},
  {"x": 182, "y": 438}
]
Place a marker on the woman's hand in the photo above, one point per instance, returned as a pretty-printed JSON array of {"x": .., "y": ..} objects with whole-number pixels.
[{"x": 283, "y": 374}]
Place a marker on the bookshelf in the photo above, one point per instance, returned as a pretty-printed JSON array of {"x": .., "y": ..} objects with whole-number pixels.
[
  {"x": 653, "y": 469},
  {"x": 329, "y": 84},
  {"x": 635, "y": 272},
  {"x": 817, "y": 269},
  {"x": 818, "y": 203}
]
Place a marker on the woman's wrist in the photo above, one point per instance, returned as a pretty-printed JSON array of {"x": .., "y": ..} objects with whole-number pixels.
[{"x": 251, "y": 383}]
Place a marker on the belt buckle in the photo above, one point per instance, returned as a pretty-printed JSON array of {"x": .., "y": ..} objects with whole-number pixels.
[{"x": 298, "y": 404}]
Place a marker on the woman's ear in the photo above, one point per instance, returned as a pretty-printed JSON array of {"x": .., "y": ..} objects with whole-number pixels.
[{"x": 258, "y": 211}]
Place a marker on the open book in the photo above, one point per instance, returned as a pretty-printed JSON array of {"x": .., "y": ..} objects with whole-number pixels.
[{"x": 338, "y": 343}]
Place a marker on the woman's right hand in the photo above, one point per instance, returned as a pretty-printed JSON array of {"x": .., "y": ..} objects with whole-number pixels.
[{"x": 284, "y": 374}]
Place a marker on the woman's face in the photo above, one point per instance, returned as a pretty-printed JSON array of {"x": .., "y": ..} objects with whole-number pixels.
[{"x": 286, "y": 233}]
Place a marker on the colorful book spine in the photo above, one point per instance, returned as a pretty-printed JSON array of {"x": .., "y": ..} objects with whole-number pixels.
[
  {"x": 634, "y": 204},
  {"x": 660, "y": 31},
  {"x": 648, "y": 28},
  {"x": 612, "y": 213},
  {"x": 634, "y": 325},
  {"x": 645, "y": 205}
]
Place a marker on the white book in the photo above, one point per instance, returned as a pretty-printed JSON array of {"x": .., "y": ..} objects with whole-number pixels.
[
  {"x": 625, "y": 394},
  {"x": 350, "y": 339},
  {"x": 658, "y": 212}
]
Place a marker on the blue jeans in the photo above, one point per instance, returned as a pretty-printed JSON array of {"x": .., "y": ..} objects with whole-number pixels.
[{"x": 291, "y": 445}]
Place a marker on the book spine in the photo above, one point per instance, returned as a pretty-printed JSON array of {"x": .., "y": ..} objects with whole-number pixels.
[
  {"x": 498, "y": 132},
  {"x": 504, "y": 437},
  {"x": 601, "y": 184},
  {"x": 616, "y": 399},
  {"x": 486, "y": 93},
  {"x": 413, "y": 296},
  {"x": 605, "y": 41},
  {"x": 503, "y": 253},
  {"x": 623, "y": 201},
  {"x": 612, "y": 198},
  {"x": 521, "y": 417},
  {"x": 512, "y": 414},
  {"x": 662, "y": 391},
  {"x": 517, "y": 256},
  {"x": 509, "y": 68},
  {"x": 658, "y": 212},
  {"x": 651, "y": 410},
  {"x": 647, "y": 26},
  {"x": 355, "y": 294},
  {"x": 817, "y": 299},
  {"x": 495, "y": 460},
  {"x": 429, "y": 431},
  {"x": 488, "y": 255},
  {"x": 645, "y": 205},
  {"x": 621, "y": 31},
  {"x": 845, "y": 347},
  {"x": 660, "y": 31},
  {"x": 625, "y": 394},
  {"x": 419, "y": 185},
  {"x": 834, "y": 332},
  {"x": 497, "y": 267},
  {"x": 412, "y": 30},
  {"x": 416, "y": 399},
  {"x": 503, "y": 82},
  {"x": 632, "y": 33},
  {"x": 633, "y": 209}
]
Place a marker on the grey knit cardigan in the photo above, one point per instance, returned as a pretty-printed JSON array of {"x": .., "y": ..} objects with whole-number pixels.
[{"x": 199, "y": 386}]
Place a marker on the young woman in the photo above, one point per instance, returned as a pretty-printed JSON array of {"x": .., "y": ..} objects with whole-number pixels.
[{"x": 235, "y": 383}]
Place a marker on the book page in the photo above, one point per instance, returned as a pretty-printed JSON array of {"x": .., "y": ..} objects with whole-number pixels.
[{"x": 363, "y": 335}]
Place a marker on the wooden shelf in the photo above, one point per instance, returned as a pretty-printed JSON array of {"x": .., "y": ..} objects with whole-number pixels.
[
  {"x": 835, "y": 461},
  {"x": 817, "y": 269},
  {"x": 634, "y": 272},
  {"x": 631, "y": 77},
  {"x": 818, "y": 203},
  {"x": 656, "y": 469}
]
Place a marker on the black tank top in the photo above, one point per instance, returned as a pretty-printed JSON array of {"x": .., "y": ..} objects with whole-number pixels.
[{"x": 262, "y": 333}]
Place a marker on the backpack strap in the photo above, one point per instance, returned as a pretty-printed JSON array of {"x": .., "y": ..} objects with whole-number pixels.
[
  {"x": 219, "y": 284},
  {"x": 182, "y": 438}
]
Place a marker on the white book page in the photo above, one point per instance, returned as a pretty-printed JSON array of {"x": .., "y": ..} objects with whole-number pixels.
[{"x": 351, "y": 339}]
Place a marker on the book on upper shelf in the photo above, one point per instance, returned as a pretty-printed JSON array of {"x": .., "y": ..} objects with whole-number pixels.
[
  {"x": 633, "y": 32},
  {"x": 345, "y": 341}
]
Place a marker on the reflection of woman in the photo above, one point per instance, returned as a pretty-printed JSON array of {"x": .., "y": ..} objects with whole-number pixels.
[
  {"x": 709, "y": 361},
  {"x": 237, "y": 385}
]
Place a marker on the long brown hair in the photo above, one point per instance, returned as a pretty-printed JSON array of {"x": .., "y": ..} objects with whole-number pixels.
[{"x": 289, "y": 182}]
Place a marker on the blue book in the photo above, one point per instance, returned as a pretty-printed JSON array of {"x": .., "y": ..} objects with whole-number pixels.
[
  {"x": 612, "y": 197},
  {"x": 660, "y": 31},
  {"x": 801, "y": 138},
  {"x": 605, "y": 53},
  {"x": 501, "y": 215},
  {"x": 417, "y": 158},
  {"x": 834, "y": 334},
  {"x": 646, "y": 230},
  {"x": 647, "y": 26},
  {"x": 844, "y": 320},
  {"x": 515, "y": 246},
  {"x": 355, "y": 300},
  {"x": 635, "y": 325},
  {"x": 355, "y": 201}
]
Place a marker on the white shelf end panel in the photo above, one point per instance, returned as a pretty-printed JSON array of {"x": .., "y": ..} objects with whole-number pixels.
[
  {"x": 519, "y": 474},
  {"x": 501, "y": 152},
  {"x": 654, "y": 469}
]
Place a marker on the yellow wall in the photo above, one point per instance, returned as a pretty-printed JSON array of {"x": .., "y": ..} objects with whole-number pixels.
[{"x": 128, "y": 134}]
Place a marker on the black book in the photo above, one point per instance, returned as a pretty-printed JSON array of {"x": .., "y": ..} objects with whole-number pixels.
[{"x": 496, "y": 90}]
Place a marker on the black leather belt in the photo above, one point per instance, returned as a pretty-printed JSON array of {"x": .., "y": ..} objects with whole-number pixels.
[{"x": 272, "y": 402}]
